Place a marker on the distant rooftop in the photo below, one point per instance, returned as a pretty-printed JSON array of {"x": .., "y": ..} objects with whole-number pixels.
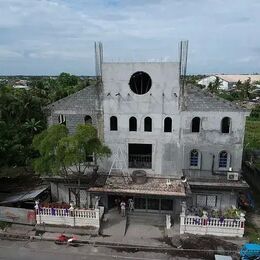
[{"x": 237, "y": 77}]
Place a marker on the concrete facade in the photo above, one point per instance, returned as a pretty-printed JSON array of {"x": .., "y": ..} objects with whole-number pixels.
[
  {"x": 158, "y": 103},
  {"x": 171, "y": 151}
]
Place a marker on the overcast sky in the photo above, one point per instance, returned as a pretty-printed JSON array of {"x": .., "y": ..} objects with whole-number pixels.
[{"x": 50, "y": 36}]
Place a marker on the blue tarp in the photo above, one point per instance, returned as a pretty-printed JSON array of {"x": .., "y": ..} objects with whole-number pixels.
[{"x": 250, "y": 250}]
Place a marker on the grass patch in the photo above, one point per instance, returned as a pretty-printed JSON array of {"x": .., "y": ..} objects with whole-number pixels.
[
  {"x": 252, "y": 134},
  {"x": 252, "y": 232}
]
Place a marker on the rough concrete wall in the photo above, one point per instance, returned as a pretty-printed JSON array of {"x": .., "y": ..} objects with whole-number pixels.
[
  {"x": 73, "y": 119},
  {"x": 210, "y": 141},
  {"x": 76, "y": 106},
  {"x": 161, "y": 101}
]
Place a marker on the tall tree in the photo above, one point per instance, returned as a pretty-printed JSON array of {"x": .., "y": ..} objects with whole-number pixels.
[
  {"x": 245, "y": 89},
  {"x": 67, "y": 155}
]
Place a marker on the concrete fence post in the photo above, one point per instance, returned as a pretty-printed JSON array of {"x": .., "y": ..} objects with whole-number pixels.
[
  {"x": 168, "y": 221},
  {"x": 241, "y": 228},
  {"x": 182, "y": 223},
  {"x": 37, "y": 211}
]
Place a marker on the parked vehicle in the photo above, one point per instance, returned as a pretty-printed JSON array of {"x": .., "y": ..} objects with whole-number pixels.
[{"x": 65, "y": 240}]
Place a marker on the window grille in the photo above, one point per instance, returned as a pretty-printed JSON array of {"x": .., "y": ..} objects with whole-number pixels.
[
  {"x": 223, "y": 159},
  {"x": 194, "y": 158}
]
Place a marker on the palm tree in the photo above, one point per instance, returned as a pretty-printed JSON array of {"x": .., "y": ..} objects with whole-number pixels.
[
  {"x": 33, "y": 125},
  {"x": 214, "y": 87}
]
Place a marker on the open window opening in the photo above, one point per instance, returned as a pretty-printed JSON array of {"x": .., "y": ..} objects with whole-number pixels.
[
  {"x": 140, "y": 82},
  {"x": 167, "y": 124},
  {"x": 148, "y": 124},
  {"x": 140, "y": 156},
  {"x": 113, "y": 123},
  {"x": 195, "y": 125},
  {"x": 88, "y": 119},
  {"x": 132, "y": 124},
  {"x": 62, "y": 119},
  {"x": 225, "y": 125}
]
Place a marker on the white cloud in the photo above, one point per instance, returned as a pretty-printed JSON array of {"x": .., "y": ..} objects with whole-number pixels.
[{"x": 60, "y": 33}]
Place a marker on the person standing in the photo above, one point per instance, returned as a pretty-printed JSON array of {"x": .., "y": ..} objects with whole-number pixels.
[
  {"x": 122, "y": 205},
  {"x": 131, "y": 205}
]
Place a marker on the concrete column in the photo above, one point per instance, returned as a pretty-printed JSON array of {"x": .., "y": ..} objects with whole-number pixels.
[{"x": 182, "y": 225}]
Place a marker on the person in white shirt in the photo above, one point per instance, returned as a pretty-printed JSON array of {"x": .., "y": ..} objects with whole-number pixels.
[{"x": 122, "y": 205}]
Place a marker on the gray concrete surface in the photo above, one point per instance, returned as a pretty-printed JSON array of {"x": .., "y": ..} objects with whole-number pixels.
[{"x": 48, "y": 250}]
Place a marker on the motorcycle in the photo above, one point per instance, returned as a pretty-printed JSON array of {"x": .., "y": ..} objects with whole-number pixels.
[{"x": 65, "y": 240}]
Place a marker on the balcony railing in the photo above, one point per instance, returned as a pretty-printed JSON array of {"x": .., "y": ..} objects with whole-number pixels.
[{"x": 140, "y": 161}]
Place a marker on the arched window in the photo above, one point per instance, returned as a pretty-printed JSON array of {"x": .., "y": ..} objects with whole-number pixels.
[
  {"x": 195, "y": 125},
  {"x": 148, "y": 124},
  {"x": 113, "y": 123},
  {"x": 223, "y": 159},
  {"x": 167, "y": 124},
  {"x": 62, "y": 120},
  {"x": 132, "y": 124},
  {"x": 88, "y": 120},
  {"x": 225, "y": 125},
  {"x": 194, "y": 158}
]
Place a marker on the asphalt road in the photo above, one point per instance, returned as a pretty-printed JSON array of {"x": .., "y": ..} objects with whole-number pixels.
[{"x": 42, "y": 250}]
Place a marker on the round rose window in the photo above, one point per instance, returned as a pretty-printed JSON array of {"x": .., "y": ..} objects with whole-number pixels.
[{"x": 140, "y": 82}]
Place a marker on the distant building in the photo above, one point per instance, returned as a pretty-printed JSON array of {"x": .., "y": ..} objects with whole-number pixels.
[
  {"x": 21, "y": 84},
  {"x": 228, "y": 81}
]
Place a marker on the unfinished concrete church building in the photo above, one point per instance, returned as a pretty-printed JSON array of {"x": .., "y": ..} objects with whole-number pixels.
[{"x": 158, "y": 131}]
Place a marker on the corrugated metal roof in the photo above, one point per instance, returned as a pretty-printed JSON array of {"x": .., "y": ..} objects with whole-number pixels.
[{"x": 24, "y": 196}]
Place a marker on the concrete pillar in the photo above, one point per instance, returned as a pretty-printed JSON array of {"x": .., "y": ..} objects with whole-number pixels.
[
  {"x": 168, "y": 221},
  {"x": 182, "y": 225}
]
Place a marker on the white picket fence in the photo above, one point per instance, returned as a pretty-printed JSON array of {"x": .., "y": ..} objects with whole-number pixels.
[
  {"x": 212, "y": 226},
  {"x": 74, "y": 217}
]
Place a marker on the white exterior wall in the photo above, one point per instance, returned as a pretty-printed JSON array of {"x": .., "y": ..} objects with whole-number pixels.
[
  {"x": 70, "y": 217},
  {"x": 211, "y": 79},
  {"x": 161, "y": 101}
]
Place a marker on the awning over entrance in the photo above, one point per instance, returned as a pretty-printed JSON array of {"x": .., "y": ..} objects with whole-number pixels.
[{"x": 117, "y": 184}]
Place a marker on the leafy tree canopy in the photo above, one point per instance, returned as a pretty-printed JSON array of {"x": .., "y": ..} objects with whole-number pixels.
[{"x": 61, "y": 153}]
